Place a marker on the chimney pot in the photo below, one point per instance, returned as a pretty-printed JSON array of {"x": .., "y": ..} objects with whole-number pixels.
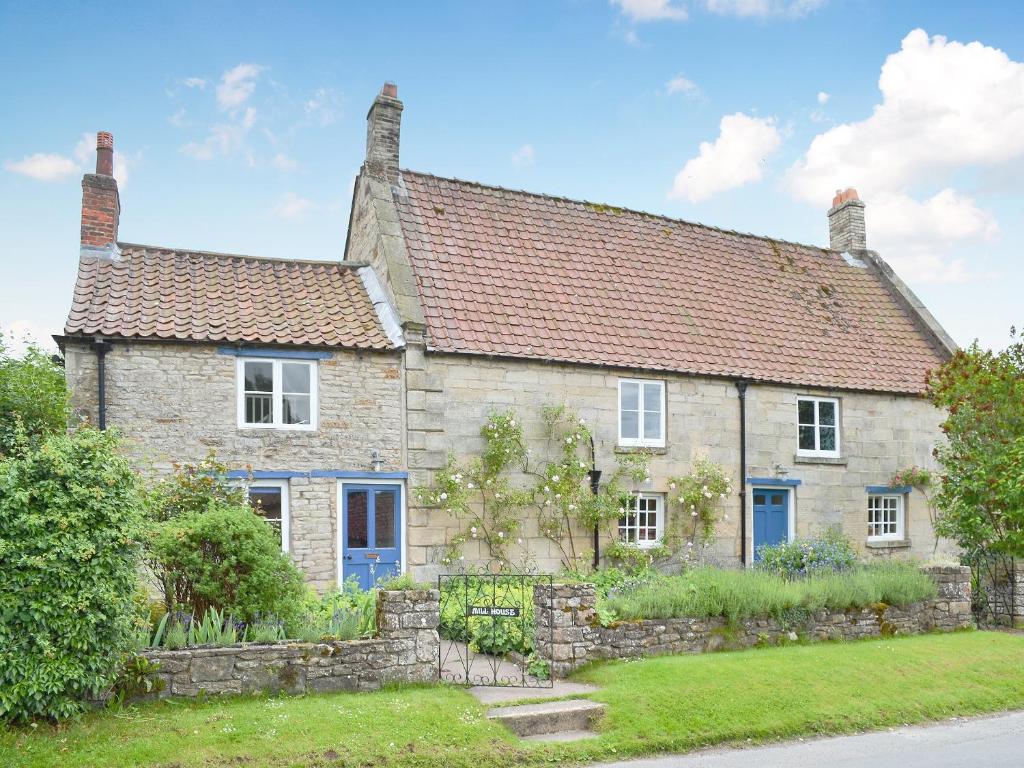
[
  {"x": 104, "y": 153},
  {"x": 846, "y": 231},
  {"x": 390, "y": 90}
]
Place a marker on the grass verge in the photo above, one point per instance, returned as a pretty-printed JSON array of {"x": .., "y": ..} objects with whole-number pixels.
[{"x": 673, "y": 703}]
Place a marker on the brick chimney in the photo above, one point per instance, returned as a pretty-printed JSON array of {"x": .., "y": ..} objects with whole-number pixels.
[
  {"x": 846, "y": 222},
  {"x": 383, "y": 124},
  {"x": 101, "y": 205}
]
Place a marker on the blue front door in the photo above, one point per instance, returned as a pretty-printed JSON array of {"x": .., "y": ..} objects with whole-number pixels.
[
  {"x": 771, "y": 517},
  {"x": 370, "y": 532}
]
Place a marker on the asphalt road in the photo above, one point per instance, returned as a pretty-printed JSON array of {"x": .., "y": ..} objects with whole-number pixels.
[{"x": 985, "y": 742}]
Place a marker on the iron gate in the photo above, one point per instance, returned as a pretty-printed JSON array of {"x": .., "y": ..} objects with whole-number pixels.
[
  {"x": 993, "y": 588},
  {"x": 488, "y": 630}
]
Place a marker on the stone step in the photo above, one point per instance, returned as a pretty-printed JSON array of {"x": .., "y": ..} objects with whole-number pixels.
[
  {"x": 549, "y": 717},
  {"x": 562, "y": 736},
  {"x": 560, "y": 689}
]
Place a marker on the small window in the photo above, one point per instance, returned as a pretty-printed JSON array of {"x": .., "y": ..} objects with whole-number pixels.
[
  {"x": 269, "y": 499},
  {"x": 642, "y": 413},
  {"x": 885, "y": 517},
  {"x": 818, "y": 426},
  {"x": 643, "y": 523},
  {"x": 276, "y": 394}
]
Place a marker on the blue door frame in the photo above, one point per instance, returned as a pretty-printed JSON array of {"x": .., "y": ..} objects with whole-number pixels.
[
  {"x": 771, "y": 517},
  {"x": 371, "y": 532}
]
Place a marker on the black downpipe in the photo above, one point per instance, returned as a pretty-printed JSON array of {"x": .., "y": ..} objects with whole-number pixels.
[
  {"x": 595, "y": 488},
  {"x": 741, "y": 389},
  {"x": 102, "y": 347}
]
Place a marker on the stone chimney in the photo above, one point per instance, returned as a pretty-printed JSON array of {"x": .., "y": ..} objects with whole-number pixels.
[
  {"x": 101, "y": 205},
  {"x": 846, "y": 222},
  {"x": 383, "y": 124}
]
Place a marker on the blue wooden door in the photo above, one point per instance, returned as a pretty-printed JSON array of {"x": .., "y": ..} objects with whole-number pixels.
[
  {"x": 370, "y": 532},
  {"x": 771, "y": 517}
]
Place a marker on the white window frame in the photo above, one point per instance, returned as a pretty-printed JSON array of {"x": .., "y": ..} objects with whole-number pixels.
[
  {"x": 278, "y": 395},
  {"x": 901, "y": 506},
  {"x": 659, "y": 521},
  {"x": 641, "y": 441},
  {"x": 817, "y": 451},
  {"x": 286, "y": 514}
]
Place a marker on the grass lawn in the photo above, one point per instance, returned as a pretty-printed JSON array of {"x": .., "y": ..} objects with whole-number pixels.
[{"x": 671, "y": 703}]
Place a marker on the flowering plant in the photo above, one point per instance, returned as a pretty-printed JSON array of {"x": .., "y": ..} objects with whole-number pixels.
[
  {"x": 829, "y": 552},
  {"x": 915, "y": 477},
  {"x": 699, "y": 496}
]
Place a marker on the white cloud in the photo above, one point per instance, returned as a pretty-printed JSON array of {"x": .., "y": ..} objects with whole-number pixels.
[
  {"x": 763, "y": 8},
  {"x": 680, "y": 84},
  {"x": 324, "y": 106},
  {"x": 737, "y": 157},
  {"x": 236, "y": 86},
  {"x": 651, "y": 10},
  {"x": 946, "y": 107},
  {"x": 282, "y": 162},
  {"x": 178, "y": 119},
  {"x": 523, "y": 156},
  {"x": 20, "y": 334},
  {"x": 44, "y": 167},
  {"x": 823, "y": 98},
  {"x": 292, "y": 206},
  {"x": 223, "y": 138},
  {"x": 195, "y": 82}
]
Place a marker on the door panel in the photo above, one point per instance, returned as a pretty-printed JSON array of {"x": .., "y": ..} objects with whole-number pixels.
[
  {"x": 771, "y": 518},
  {"x": 371, "y": 533}
]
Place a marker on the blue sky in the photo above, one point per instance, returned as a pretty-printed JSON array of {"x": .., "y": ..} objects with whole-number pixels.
[{"x": 240, "y": 127}]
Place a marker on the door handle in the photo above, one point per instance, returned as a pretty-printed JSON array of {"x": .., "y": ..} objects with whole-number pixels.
[{"x": 348, "y": 557}]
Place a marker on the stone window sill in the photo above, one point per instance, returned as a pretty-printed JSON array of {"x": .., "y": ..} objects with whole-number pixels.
[
  {"x": 888, "y": 544},
  {"x": 640, "y": 449},
  {"x": 839, "y": 461}
]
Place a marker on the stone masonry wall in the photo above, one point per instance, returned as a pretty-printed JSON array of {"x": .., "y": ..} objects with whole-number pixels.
[
  {"x": 448, "y": 398},
  {"x": 569, "y": 634},
  {"x": 405, "y": 650},
  {"x": 176, "y": 402}
]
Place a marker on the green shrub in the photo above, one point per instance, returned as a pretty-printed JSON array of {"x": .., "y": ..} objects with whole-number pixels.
[
  {"x": 33, "y": 400},
  {"x": 738, "y": 595},
  {"x": 70, "y": 516},
  {"x": 225, "y": 557},
  {"x": 344, "y": 614},
  {"x": 484, "y": 634},
  {"x": 830, "y": 552}
]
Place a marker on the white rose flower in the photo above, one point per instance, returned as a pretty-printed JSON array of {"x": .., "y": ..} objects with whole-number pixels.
[
  {"x": 554, "y": 478},
  {"x": 469, "y": 485},
  {"x": 443, "y": 496}
]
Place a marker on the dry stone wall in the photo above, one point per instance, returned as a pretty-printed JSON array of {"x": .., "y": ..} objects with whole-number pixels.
[
  {"x": 405, "y": 650},
  {"x": 569, "y": 634}
]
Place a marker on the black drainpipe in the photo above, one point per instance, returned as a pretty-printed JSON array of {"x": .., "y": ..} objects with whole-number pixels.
[
  {"x": 102, "y": 347},
  {"x": 741, "y": 388},
  {"x": 595, "y": 488}
]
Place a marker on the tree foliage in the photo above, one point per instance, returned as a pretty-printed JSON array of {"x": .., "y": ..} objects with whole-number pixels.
[
  {"x": 33, "y": 399},
  {"x": 981, "y": 498},
  {"x": 70, "y": 517}
]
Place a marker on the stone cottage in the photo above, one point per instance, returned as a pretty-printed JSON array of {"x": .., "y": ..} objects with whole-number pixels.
[{"x": 336, "y": 388}]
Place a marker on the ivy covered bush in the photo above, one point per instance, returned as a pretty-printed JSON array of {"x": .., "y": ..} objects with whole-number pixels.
[
  {"x": 829, "y": 553},
  {"x": 70, "y": 516}
]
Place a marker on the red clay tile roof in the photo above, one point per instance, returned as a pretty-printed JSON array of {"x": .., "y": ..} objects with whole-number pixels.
[
  {"x": 509, "y": 273},
  {"x": 159, "y": 293}
]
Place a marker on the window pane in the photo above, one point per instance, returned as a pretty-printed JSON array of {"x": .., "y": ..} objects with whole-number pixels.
[
  {"x": 296, "y": 409},
  {"x": 652, "y": 397},
  {"x": 384, "y": 518},
  {"x": 259, "y": 377},
  {"x": 652, "y": 425},
  {"x": 805, "y": 410},
  {"x": 759, "y": 498},
  {"x": 295, "y": 377},
  {"x": 357, "y": 520},
  {"x": 828, "y": 438},
  {"x": 777, "y": 499},
  {"x": 259, "y": 409},
  {"x": 266, "y": 502},
  {"x": 630, "y": 397},
  {"x": 827, "y": 413},
  {"x": 630, "y": 425},
  {"x": 807, "y": 438}
]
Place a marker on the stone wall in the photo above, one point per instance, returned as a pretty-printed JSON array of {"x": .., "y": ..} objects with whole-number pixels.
[
  {"x": 569, "y": 634},
  {"x": 176, "y": 402},
  {"x": 405, "y": 651},
  {"x": 450, "y": 396},
  {"x": 1002, "y": 585}
]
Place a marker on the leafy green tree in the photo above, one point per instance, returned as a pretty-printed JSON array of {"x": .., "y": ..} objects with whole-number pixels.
[
  {"x": 33, "y": 399},
  {"x": 981, "y": 498},
  {"x": 70, "y": 516}
]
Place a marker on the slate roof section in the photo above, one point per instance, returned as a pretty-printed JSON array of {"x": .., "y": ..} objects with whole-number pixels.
[
  {"x": 162, "y": 293},
  {"x": 515, "y": 274}
]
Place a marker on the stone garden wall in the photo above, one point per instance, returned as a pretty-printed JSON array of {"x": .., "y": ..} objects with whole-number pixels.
[
  {"x": 405, "y": 650},
  {"x": 566, "y": 614}
]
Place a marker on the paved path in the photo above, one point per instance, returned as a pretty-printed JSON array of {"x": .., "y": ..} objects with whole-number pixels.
[{"x": 988, "y": 742}]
